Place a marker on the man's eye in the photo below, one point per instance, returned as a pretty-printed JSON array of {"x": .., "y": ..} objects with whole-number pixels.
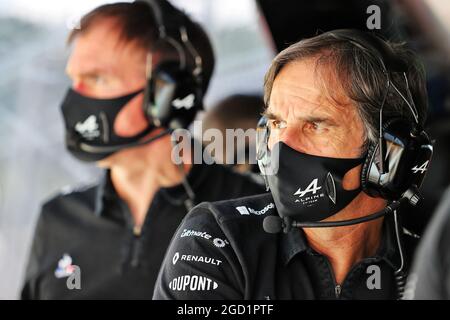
[
  {"x": 278, "y": 124},
  {"x": 315, "y": 126},
  {"x": 98, "y": 80}
]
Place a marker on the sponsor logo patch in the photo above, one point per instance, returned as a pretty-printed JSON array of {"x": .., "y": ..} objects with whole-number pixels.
[
  {"x": 192, "y": 283},
  {"x": 193, "y": 258},
  {"x": 243, "y": 210},
  {"x": 219, "y": 243}
]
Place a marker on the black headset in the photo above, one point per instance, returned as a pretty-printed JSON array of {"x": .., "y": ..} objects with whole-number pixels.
[
  {"x": 400, "y": 158},
  {"x": 398, "y": 162},
  {"x": 174, "y": 93}
]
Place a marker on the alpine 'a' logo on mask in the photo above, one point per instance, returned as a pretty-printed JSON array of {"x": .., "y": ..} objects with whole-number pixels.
[
  {"x": 312, "y": 187},
  {"x": 89, "y": 128},
  {"x": 311, "y": 195},
  {"x": 186, "y": 103}
]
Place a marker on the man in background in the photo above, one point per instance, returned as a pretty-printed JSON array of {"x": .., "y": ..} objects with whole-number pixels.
[
  {"x": 107, "y": 241},
  {"x": 236, "y": 112}
]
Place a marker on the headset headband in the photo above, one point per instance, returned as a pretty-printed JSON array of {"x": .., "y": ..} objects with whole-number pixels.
[
  {"x": 163, "y": 34},
  {"x": 373, "y": 43}
]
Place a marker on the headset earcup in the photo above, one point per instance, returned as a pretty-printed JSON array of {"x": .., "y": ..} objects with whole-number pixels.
[
  {"x": 370, "y": 187},
  {"x": 403, "y": 155},
  {"x": 175, "y": 96}
]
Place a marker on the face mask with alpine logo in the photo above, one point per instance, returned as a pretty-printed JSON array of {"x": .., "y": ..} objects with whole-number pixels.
[
  {"x": 90, "y": 121},
  {"x": 304, "y": 187}
]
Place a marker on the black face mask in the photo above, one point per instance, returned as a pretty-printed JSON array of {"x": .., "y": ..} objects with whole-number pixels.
[
  {"x": 304, "y": 187},
  {"x": 90, "y": 122}
]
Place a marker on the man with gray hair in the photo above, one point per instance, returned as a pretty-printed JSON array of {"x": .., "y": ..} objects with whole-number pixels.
[{"x": 341, "y": 147}]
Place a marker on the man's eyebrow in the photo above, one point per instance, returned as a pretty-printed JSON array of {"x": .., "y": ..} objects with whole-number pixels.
[
  {"x": 316, "y": 119},
  {"x": 91, "y": 73},
  {"x": 270, "y": 115},
  {"x": 319, "y": 119}
]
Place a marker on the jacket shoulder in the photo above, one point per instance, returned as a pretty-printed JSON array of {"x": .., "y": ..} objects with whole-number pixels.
[
  {"x": 244, "y": 177},
  {"x": 252, "y": 208},
  {"x": 79, "y": 199},
  {"x": 247, "y": 183},
  {"x": 232, "y": 217}
]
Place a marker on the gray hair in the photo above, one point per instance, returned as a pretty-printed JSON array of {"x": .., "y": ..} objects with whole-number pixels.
[{"x": 360, "y": 76}]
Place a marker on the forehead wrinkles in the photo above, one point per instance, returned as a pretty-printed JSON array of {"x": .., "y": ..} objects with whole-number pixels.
[
  {"x": 330, "y": 80},
  {"x": 294, "y": 84},
  {"x": 300, "y": 84}
]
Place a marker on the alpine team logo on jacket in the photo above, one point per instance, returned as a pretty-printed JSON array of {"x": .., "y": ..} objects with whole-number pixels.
[
  {"x": 65, "y": 267},
  {"x": 192, "y": 283}
]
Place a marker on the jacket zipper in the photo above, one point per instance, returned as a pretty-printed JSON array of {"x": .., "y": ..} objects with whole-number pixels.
[
  {"x": 137, "y": 230},
  {"x": 337, "y": 287},
  {"x": 137, "y": 242},
  {"x": 337, "y": 290},
  {"x": 135, "y": 246}
]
